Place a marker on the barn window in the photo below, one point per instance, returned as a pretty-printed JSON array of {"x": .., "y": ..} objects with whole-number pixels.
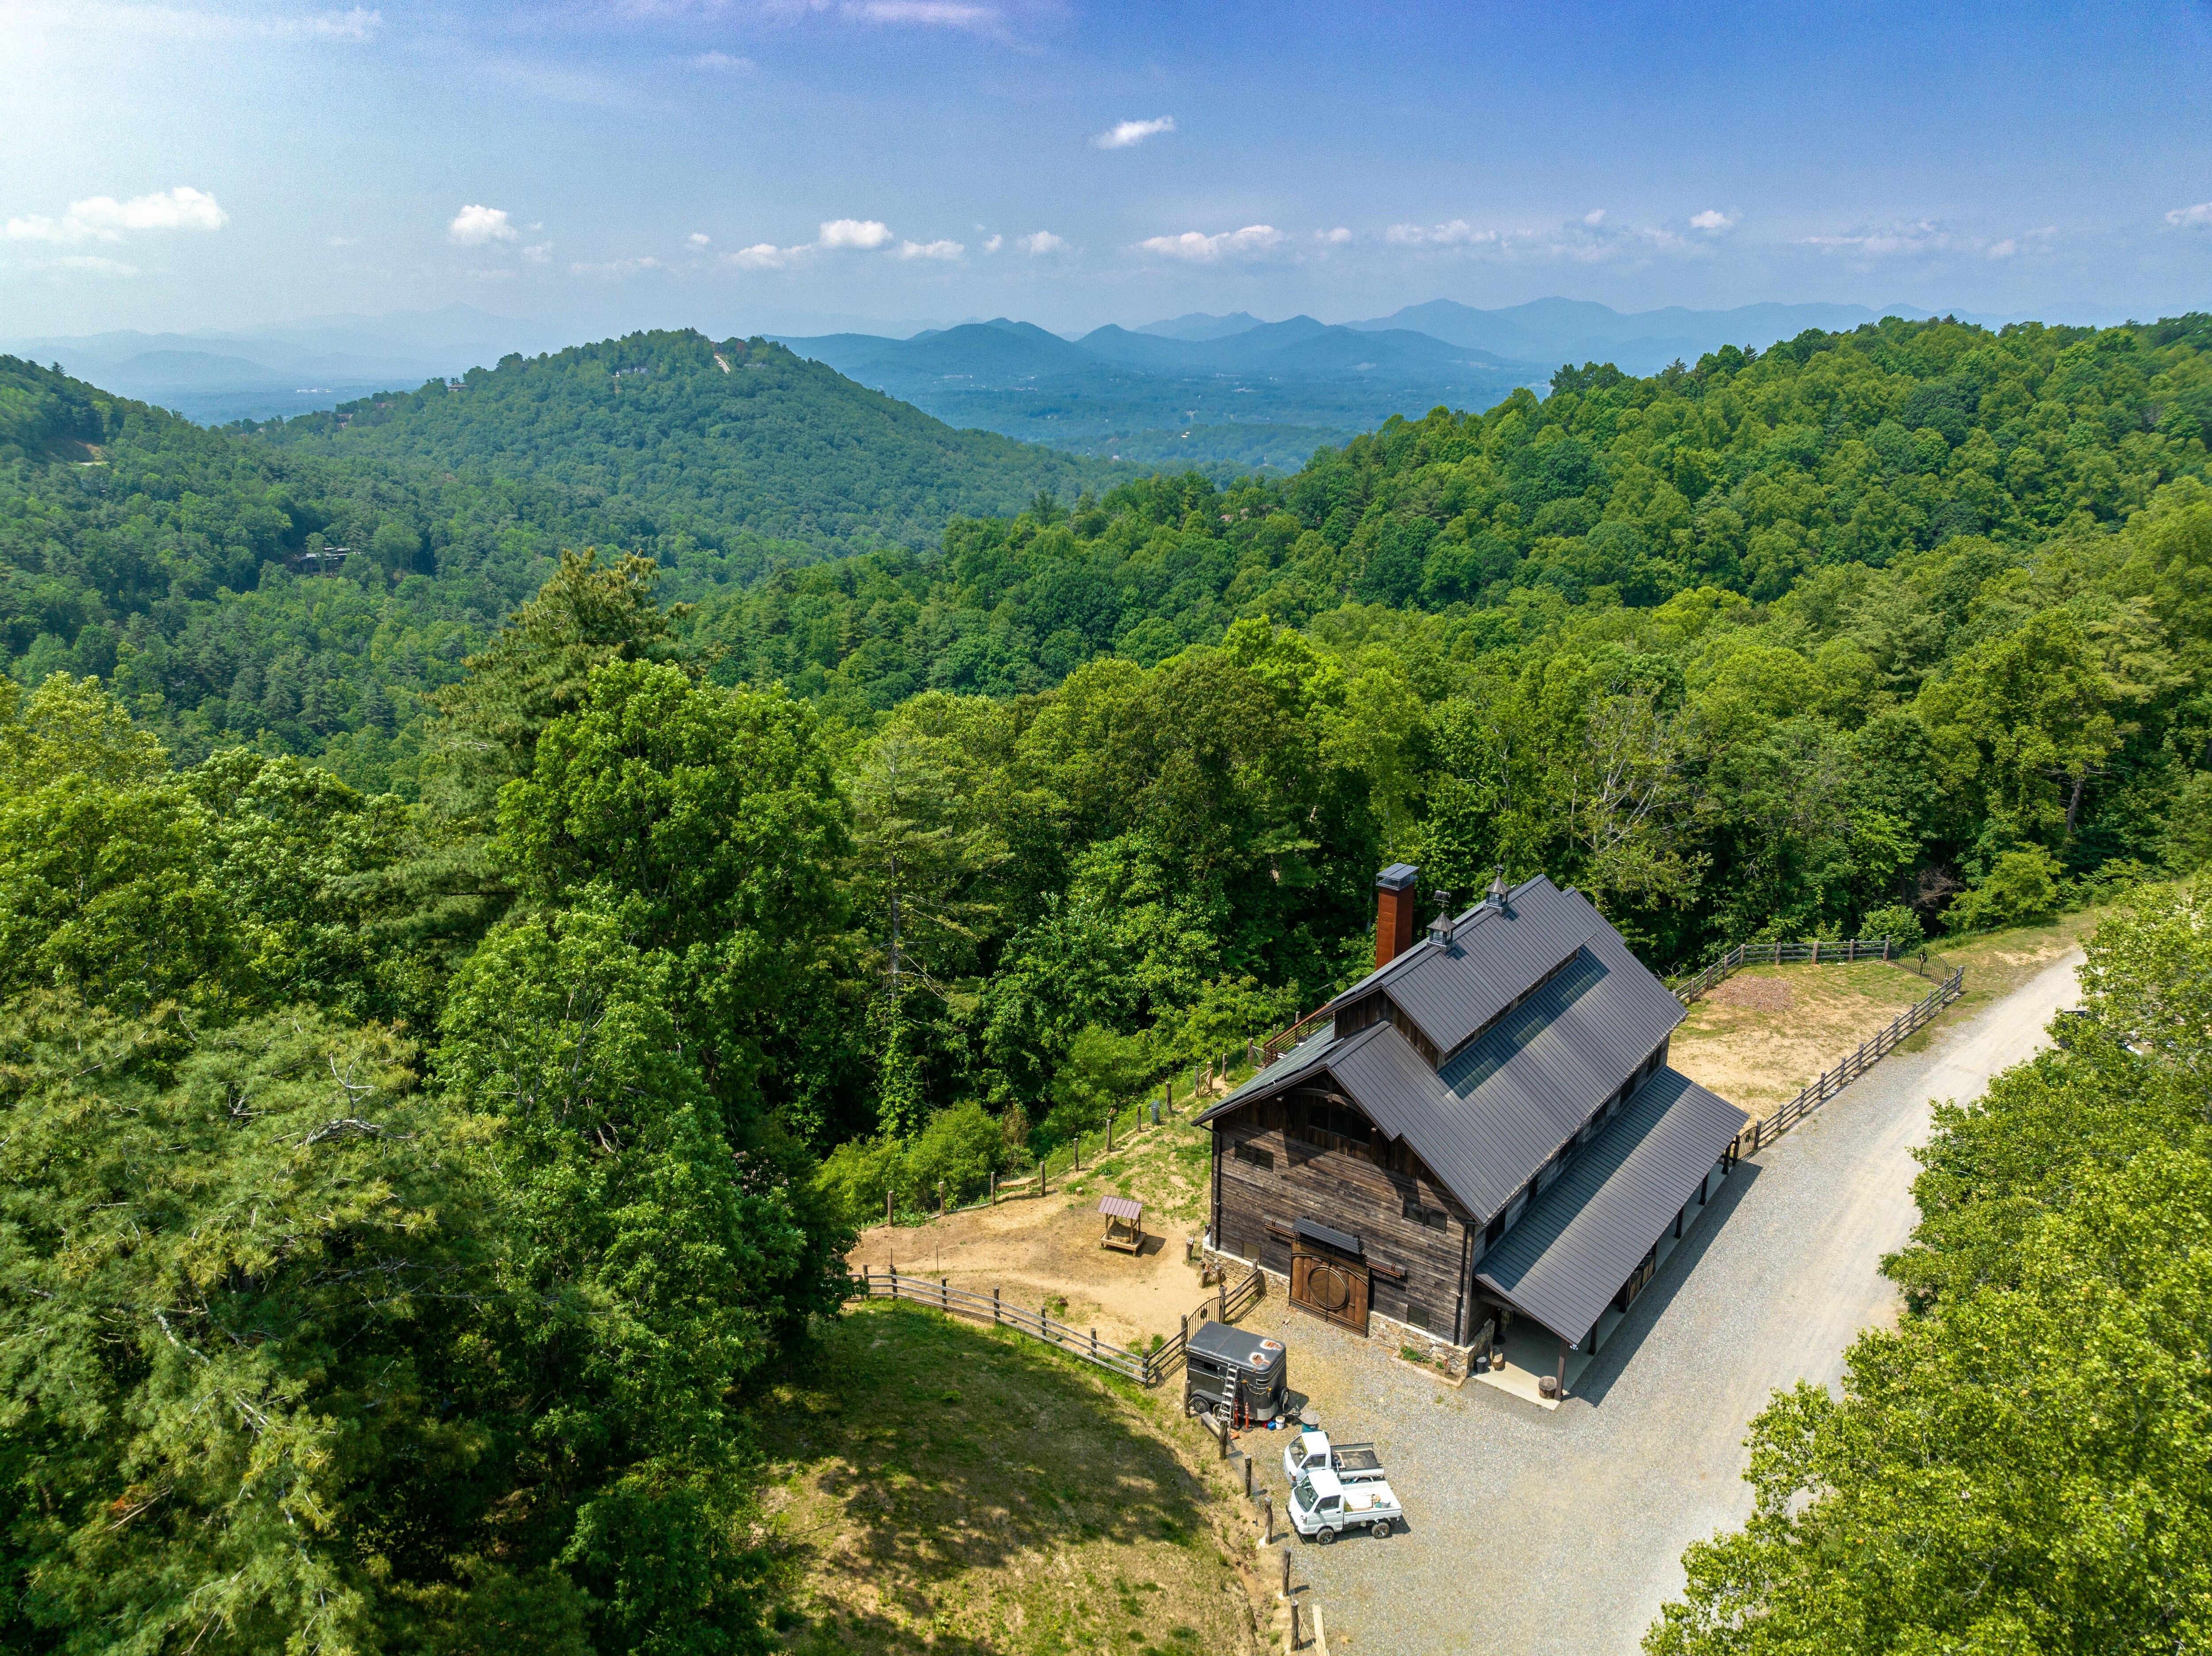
[
  {"x": 1255, "y": 1155},
  {"x": 1328, "y": 1127},
  {"x": 1418, "y": 1315},
  {"x": 1434, "y": 1218}
]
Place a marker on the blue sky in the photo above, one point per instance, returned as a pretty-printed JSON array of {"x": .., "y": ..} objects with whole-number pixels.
[{"x": 773, "y": 165}]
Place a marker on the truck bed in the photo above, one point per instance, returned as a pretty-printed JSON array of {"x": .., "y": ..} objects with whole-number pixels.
[{"x": 1355, "y": 1458}]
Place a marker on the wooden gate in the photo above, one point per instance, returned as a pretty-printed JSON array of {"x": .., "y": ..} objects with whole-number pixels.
[{"x": 1332, "y": 1288}]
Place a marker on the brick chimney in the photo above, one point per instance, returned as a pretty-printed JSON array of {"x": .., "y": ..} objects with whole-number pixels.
[{"x": 1394, "y": 911}]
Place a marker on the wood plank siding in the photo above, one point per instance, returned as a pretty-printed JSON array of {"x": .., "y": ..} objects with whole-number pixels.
[{"x": 1274, "y": 1163}]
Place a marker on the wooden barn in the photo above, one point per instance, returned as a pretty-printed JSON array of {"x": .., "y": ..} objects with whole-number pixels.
[{"x": 1486, "y": 1120}]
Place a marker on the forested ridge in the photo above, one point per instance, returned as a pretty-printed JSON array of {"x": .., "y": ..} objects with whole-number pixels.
[
  {"x": 181, "y": 564},
  {"x": 709, "y": 440},
  {"x": 401, "y": 1191}
]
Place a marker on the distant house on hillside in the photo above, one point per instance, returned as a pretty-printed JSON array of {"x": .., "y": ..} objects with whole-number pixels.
[{"x": 1487, "y": 1121}]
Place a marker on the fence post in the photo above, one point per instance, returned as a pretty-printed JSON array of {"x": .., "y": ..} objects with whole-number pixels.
[
  {"x": 1296, "y": 1640},
  {"x": 994, "y": 1187},
  {"x": 1248, "y": 1477},
  {"x": 994, "y": 1307},
  {"x": 1079, "y": 1153},
  {"x": 1094, "y": 1342},
  {"x": 1221, "y": 1299},
  {"x": 1109, "y": 1132},
  {"x": 1286, "y": 1571},
  {"x": 940, "y": 1198},
  {"x": 1778, "y": 951},
  {"x": 1885, "y": 949},
  {"x": 944, "y": 1293},
  {"x": 1816, "y": 951},
  {"x": 887, "y": 1207}
]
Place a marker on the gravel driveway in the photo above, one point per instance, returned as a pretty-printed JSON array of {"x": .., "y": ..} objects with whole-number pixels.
[{"x": 1534, "y": 1531}]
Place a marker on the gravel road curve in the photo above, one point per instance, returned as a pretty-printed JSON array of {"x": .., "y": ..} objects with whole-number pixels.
[{"x": 1534, "y": 1531}]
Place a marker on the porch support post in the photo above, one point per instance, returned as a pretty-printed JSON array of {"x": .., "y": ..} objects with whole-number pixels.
[{"x": 1562, "y": 1365}]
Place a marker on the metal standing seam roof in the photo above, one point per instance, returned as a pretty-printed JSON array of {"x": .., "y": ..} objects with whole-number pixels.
[
  {"x": 1579, "y": 1241},
  {"x": 1121, "y": 1207},
  {"x": 1451, "y": 990},
  {"x": 1500, "y": 1109}
]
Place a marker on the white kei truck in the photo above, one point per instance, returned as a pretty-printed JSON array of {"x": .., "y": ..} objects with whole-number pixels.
[
  {"x": 1312, "y": 1452},
  {"x": 1323, "y": 1506}
]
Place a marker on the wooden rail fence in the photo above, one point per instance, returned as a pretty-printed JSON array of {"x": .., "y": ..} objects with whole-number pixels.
[
  {"x": 1832, "y": 951},
  {"x": 1869, "y": 1054},
  {"x": 1146, "y": 1368}
]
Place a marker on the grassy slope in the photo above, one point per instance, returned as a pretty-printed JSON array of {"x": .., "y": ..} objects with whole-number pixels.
[{"x": 961, "y": 1489}]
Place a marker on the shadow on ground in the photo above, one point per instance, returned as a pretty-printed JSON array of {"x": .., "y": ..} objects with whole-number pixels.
[{"x": 958, "y": 1488}]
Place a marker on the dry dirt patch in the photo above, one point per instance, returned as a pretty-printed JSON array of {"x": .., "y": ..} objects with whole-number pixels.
[
  {"x": 1765, "y": 1032},
  {"x": 1757, "y": 994},
  {"x": 1038, "y": 1249}
]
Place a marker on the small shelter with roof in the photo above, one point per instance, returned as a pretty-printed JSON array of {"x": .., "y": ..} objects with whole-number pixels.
[
  {"x": 1487, "y": 1122},
  {"x": 1125, "y": 1224}
]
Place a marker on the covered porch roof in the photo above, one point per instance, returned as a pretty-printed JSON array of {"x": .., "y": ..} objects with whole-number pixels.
[{"x": 1584, "y": 1237}]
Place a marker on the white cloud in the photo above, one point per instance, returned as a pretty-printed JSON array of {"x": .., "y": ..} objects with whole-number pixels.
[
  {"x": 1712, "y": 219},
  {"x": 357, "y": 23},
  {"x": 92, "y": 264},
  {"x": 342, "y": 241},
  {"x": 540, "y": 254},
  {"x": 721, "y": 63},
  {"x": 103, "y": 218},
  {"x": 843, "y": 236},
  {"x": 1889, "y": 241},
  {"x": 866, "y": 234},
  {"x": 1124, "y": 134},
  {"x": 928, "y": 14},
  {"x": 479, "y": 226},
  {"x": 1587, "y": 240},
  {"x": 1336, "y": 238},
  {"x": 993, "y": 244},
  {"x": 1205, "y": 250},
  {"x": 2191, "y": 218},
  {"x": 619, "y": 267},
  {"x": 1456, "y": 233},
  {"x": 698, "y": 239},
  {"x": 1041, "y": 243}
]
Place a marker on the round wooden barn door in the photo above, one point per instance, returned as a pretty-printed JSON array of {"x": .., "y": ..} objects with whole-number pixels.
[{"x": 1329, "y": 1288}]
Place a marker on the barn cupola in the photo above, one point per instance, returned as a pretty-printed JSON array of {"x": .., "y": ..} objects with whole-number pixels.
[
  {"x": 1440, "y": 929},
  {"x": 1394, "y": 911},
  {"x": 1495, "y": 897}
]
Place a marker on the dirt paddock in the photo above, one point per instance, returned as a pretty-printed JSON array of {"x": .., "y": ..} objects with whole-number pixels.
[{"x": 1034, "y": 1250}]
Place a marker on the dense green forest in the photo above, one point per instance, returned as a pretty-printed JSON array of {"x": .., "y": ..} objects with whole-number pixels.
[
  {"x": 181, "y": 565},
  {"x": 704, "y": 439},
  {"x": 2020, "y": 1465},
  {"x": 400, "y": 1189}
]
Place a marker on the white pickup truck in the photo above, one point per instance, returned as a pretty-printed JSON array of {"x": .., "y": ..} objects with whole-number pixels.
[
  {"x": 1323, "y": 1506},
  {"x": 1312, "y": 1452}
]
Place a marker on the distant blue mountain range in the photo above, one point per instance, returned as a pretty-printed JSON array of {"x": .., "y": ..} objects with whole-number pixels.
[{"x": 1225, "y": 392}]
